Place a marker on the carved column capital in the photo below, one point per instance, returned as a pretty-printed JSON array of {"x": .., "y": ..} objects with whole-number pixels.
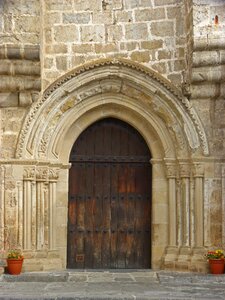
[
  {"x": 53, "y": 175},
  {"x": 42, "y": 173},
  {"x": 185, "y": 169},
  {"x": 198, "y": 170},
  {"x": 29, "y": 173},
  {"x": 171, "y": 169}
]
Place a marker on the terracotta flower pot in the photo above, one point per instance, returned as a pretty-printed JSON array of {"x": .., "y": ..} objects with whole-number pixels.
[
  {"x": 216, "y": 266},
  {"x": 14, "y": 266}
]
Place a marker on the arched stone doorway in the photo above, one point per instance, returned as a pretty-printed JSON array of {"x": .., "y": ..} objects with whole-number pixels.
[
  {"x": 109, "y": 220},
  {"x": 165, "y": 119}
]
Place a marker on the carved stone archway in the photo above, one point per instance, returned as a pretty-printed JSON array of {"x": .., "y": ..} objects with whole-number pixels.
[{"x": 166, "y": 120}]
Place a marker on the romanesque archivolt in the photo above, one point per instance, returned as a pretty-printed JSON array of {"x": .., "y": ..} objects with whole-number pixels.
[{"x": 88, "y": 87}]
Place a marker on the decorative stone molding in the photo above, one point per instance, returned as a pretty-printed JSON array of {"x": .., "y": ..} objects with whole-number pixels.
[
  {"x": 37, "y": 207},
  {"x": 117, "y": 68}
]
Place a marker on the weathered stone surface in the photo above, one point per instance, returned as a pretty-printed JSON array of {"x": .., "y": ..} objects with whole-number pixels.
[
  {"x": 105, "y": 17},
  {"x": 138, "y": 31},
  {"x": 149, "y": 14},
  {"x": 159, "y": 34},
  {"x": 77, "y": 18},
  {"x": 140, "y": 56},
  {"x": 61, "y": 63},
  {"x": 9, "y": 99},
  {"x": 154, "y": 44},
  {"x": 114, "y": 33},
  {"x": 25, "y": 99},
  {"x": 166, "y": 2},
  {"x": 92, "y": 33},
  {"x": 162, "y": 29},
  {"x": 137, "y": 4},
  {"x": 67, "y": 33}
]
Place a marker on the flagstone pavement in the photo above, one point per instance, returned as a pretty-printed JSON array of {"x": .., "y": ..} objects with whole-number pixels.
[{"x": 111, "y": 285}]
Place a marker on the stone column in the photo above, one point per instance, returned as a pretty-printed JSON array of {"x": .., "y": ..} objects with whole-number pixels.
[
  {"x": 172, "y": 249},
  {"x": 198, "y": 262},
  {"x": 42, "y": 200},
  {"x": 29, "y": 176},
  {"x": 53, "y": 177},
  {"x": 198, "y": 205},
  {"x": 223, "y": 205},
  {"x": 184, "y": 256},
  {"x": 2, "y": 207},
  {"x": 171, "y": 176},
  {"x": 20, "y": 214}
]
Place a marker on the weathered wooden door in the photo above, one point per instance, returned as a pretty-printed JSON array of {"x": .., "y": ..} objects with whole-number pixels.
[{"x": 109, "y": 219}]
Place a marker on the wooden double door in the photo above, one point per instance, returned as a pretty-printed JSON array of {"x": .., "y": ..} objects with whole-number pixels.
[{"x": 109, "y": 215}]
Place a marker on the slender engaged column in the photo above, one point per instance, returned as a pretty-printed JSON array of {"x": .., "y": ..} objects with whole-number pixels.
[
  {"x": 20, "y": 213},
  {"x": 185, "y": 198},
  {"x": 53, "y": 177},
  {"x": 171, "y": 175},
  {"x": 2, "y": 208},
  {"x": 42, "y": 197},
  {"x": 29, "y": 175},
  {"x": 223, "y": 205},
  {"x": 198, "y": 205}
]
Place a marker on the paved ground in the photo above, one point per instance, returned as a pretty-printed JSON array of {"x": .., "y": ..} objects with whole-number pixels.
[{"x": 112, "y": 285}]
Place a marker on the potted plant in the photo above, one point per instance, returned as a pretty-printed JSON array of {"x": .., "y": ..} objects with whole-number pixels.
[
  {"x": 14, "y": 261},
  {"x": 216, "y": 261}
]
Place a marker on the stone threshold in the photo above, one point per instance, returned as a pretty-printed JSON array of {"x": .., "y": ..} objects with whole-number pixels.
[{"x": 83, "y": 276}]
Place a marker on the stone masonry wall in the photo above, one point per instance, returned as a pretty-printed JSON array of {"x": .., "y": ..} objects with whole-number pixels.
[
  {"x": 208, "y": 95},
  {"x": 151, "y": 32},
  {"x": 19, "y": 67}
]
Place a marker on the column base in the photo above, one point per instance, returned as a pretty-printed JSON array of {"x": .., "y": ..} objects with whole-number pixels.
[
  {"x": 184, "y": 259},
  {"x": 171, "y": 257},
  {"x": 198, "y": 261}
]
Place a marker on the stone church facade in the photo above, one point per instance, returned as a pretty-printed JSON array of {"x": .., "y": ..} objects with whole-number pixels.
[{"x": 157, "y": 65}]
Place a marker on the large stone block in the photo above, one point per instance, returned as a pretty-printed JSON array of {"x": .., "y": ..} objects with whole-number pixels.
[
  {"x": 105, "y": 17},
  {"x": 162, "y": 28},
  {"x": 140, "y": 56},
  {"x": 87, "y": 5},
  {"x": 149, "y": 14},
  {"x": 59, "y": 5},
  {"x": 137, "y": 31},
  {"x": 77, "y": 18},
  {"x": 166, "y": 2},
  {"x": 94, "y": 33},
  {"x": 123, "y": 16},
  {"x": 21, "y": 7},
  {"x": 30, "y": 24},
  {"x": 9, "y": 99},
  {"x": 25, "y": 99},
  {"x": 55, "y": 48},
  {"x": 67, "y": 33},
  {"x": 114, "y": 33},
  {"x": 153, "y": 44},
  {"x": 31, "y": 52},
  {"x": 104, "y": 48},
  {"x": 61, "y": 63},
  {"x": 82, "y": 48},
  {"x": 129, "y": 4}
]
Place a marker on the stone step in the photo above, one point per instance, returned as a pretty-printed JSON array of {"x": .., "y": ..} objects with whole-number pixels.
[{"x": 83, "y": 276}]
